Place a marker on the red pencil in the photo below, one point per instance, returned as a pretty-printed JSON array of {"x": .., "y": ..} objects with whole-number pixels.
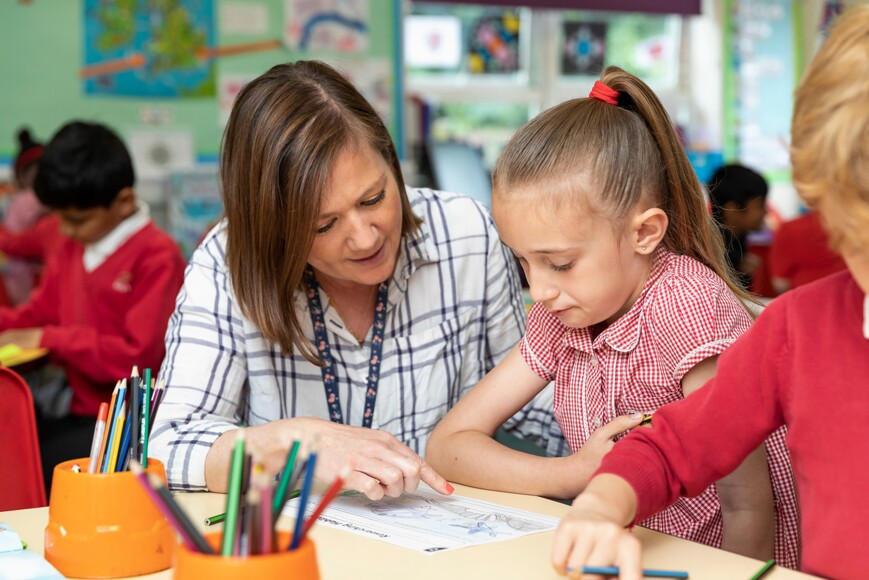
[{"x": 327, "y": 499}]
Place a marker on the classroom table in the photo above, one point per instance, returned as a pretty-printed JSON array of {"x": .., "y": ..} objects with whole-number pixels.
[{"x": 343, "y": 555}]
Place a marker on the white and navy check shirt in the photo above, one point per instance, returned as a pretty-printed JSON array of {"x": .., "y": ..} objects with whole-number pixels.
[{"x": 454, "y": 310}]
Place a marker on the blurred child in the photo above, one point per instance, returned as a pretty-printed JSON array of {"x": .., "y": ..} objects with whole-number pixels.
[
  {"x": 633, "y": 305},
  {"x": 801, "y": 253},
  {"x": 105, "y": 299},
  {"x": 804, "y": 364},
  {"x": 22, "y": 213},
  {"x": 738, "y": 198}
]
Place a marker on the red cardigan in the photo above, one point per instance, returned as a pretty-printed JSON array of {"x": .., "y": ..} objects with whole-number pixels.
[
  {"x": 804, "y": 363},
  {"x": 99, "y": 324}
]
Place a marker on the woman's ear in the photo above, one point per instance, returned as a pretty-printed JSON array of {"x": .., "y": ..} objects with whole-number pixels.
[{"x": 648, "y": 229}]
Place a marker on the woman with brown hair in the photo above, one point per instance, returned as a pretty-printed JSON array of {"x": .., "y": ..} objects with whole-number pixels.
[{"x": 331, "y": 287}]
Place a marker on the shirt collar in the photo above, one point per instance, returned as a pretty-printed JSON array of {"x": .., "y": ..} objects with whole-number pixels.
[
  {"x": 97, "y": 253},
  {"x": 417, "y": 249},
  {"x": 624, "y": 334}
]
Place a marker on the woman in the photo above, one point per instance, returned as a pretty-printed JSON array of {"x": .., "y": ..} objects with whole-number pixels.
[{"x": 333, "y": 303}]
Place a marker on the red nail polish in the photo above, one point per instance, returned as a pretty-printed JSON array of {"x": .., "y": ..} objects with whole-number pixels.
[{"x": 450, "y": 488}]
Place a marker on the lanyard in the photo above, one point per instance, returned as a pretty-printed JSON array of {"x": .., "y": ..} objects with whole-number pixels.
[{"x": 330, "y": 382}]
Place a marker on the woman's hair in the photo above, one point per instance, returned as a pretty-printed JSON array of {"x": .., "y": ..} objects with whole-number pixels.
[
  {"x": 286, "y": 131},
  {"x": 628, "y": 153},
  {"x": 830, "y": 132}
]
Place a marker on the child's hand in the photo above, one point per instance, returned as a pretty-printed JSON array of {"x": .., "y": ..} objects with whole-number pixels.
[
  {"x": 599, "y": 444},
  {"x": 592, "y": 533},
  {"x": 23, "y": 337}
]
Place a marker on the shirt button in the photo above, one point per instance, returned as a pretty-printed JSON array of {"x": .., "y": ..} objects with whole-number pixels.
[
  {"x": 597, "y": 422},
  {"x": 594, "y": 360}
]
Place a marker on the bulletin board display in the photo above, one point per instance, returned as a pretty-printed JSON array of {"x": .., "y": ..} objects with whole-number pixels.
[
  {"x": 164, "y": 74},
  {"x": 763, "y": 60}
]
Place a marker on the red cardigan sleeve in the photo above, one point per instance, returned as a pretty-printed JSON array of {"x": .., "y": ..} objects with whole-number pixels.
[
  {"x": 698, "y": 440},
  {"x": 103, "y": 357}
]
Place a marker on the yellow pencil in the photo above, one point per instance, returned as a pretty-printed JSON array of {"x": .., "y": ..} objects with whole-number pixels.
[
  {"x": 109, "y": 421},
  {"x": 116, "y": 443}
]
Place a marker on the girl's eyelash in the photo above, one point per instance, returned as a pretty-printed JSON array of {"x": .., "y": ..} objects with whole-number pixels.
[
  {"x": 326, "y": 228},
  {"x": 375, "y": 200},
  {"x": 561, "y": 268}
]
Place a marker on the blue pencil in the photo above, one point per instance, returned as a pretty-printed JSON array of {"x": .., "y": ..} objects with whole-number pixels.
[
  {"x": 303, "y": 501},
  {"x": 614, "y": 571},
  {"x": 124, "y": 449},
  {"x": 122, "y": 392}
]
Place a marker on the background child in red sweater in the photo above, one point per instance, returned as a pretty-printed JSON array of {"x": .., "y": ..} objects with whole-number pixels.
[
  {"x": 804, "y": 363},
  {"x": 105, "y": 297}
]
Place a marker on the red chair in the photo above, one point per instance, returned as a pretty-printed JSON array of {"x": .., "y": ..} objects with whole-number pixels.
[{"x": 21, "y": 485}]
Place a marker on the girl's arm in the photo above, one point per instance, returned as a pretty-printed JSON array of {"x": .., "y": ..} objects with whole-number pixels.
[
  {"x": 746, "y": 496},
  {"x": 462, "y": 447}
]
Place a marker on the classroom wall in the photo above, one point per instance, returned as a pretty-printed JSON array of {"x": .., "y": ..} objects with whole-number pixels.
[{"x": 42, "y": 50}]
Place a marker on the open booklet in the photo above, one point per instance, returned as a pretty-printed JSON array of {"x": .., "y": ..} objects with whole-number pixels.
[
  {"x": 19, "y": 563},
  {"x": 426, "y": 521}
]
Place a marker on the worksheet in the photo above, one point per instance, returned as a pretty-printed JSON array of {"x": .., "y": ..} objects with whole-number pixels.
[{"x": 426, "y": 521}]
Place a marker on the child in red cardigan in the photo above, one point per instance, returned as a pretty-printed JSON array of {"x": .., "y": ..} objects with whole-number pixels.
[
  {"x": 106, "y": 295},
  {"x": 804, "y": 363}
]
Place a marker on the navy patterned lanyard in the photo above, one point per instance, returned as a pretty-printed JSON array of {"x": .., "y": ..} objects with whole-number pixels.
[{"x": 329, "y": 378}]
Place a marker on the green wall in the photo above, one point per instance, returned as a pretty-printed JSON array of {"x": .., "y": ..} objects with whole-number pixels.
[{"x": 42, "y": 49}]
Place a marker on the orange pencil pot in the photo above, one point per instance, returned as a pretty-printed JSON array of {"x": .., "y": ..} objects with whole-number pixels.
[
  {"x": 104, "y": 525},
  {"x": 300, "y": 564}
]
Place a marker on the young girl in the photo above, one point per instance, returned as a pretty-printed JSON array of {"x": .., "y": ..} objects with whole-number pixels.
[
  {"x": 633, "y": 305},
  {"x": 805, "y": 364}
]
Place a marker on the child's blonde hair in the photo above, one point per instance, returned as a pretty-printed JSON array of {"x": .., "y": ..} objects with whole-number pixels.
[
  {"x": 830, "y": 132},
  {"x": 631, "y": 153}
]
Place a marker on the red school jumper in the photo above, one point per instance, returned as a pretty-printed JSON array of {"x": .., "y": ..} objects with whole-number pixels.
[
  {"x": 804, "y": 363},
  {"x": 98, "y": 324}
]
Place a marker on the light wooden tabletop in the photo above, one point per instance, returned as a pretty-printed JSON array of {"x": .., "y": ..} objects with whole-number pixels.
[{"x": 344, "y": 555}]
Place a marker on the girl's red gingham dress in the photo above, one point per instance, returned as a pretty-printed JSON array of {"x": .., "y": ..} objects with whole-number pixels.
[{"x": 684, "y": 314}]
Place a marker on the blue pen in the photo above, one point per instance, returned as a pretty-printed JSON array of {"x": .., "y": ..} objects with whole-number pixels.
[
  {"x": 614, "y": 571},
  {"x": 303, "y": 501}
]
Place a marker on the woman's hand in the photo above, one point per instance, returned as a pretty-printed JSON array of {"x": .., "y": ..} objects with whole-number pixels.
[
  {"x": 380, "y": 464},
  {"x": 593, "y": 531}
]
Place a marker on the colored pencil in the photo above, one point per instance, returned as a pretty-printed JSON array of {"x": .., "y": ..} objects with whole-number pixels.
[
  {"x": 216, "y": 519},
  {"x": 303, "y": 500},
  {"x": 284, "y": 483},
  {"x": 99, "y": 431},
  {"x": 116, "y": 440},
  {"x": 109, "y": 419},
  {"x": 267, "y": 531},
  {"x": 146, "y": 417},
  {"x": 326, "y": 499},
  {"x": 124, "y": 455},
  {"x": 233, "y": 493},
  {"x": 135, "y": 413},
  {"x": 171, "y": 510},
  {"x": 764, "y": 570},
  {"x": 648, "y": 573}
]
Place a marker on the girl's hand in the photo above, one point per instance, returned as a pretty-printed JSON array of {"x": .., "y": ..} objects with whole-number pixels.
[
  {"x": 585, "y": 462},
  {"x": 593, "y": 533}
]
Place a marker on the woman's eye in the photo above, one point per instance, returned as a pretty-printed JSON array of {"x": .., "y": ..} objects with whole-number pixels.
[
  {"x": 375, "y": 200},
  {"x": 326, "y": 228},
  {"x": 561, "y": 267}
]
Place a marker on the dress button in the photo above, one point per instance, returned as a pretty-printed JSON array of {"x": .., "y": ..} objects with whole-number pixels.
[
  {"x": 593, "y": 360},
  {"x": 597, "y": 422}
]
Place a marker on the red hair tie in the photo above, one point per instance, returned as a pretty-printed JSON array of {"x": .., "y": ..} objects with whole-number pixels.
[{"x": 603, "y": 93}]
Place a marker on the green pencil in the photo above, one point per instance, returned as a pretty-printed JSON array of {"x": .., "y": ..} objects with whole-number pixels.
[
  {"x": 233, "y": 494},
  {"x": 146, "y": 411},
  {"x": 216, "y": 519},
  {"x": 764, "y": 570},
  {"x": 281, "y": 492}
]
